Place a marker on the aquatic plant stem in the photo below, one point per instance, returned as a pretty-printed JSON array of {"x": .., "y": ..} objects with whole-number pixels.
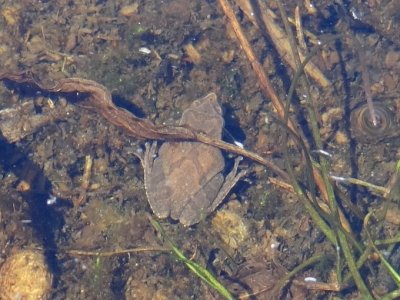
[
  {"x": 394, "y": 240},
  {"x": 265, "y": 84},
  {"x": 353, "y": 267},
  {"x": 310, "y": 205},
  {"x": 327, "y": 186},
  {"x": 380, "y": 189},
  {"x": 334, "y": 217},
  {"x": 195, "y": 268},
  {"x": 366, "y": 84},
  {"x": 392, "y": 295},
  {"x": 391, "y": 270},
  {"x": 364, "y": 72},
  {"x": 312, "y": 260},
  {"x": 312, "y": 114}
]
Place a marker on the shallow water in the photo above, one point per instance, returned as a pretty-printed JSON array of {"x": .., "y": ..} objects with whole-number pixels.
[{"x": 156, "y": 59}]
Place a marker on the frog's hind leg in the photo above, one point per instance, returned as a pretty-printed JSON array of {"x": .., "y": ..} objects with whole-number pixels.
[
  {"x": 234, "y": 172},
  {"x": 230, "y": 181}
]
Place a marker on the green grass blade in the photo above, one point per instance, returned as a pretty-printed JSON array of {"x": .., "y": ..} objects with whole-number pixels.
[{"x": 198, "y": 270}]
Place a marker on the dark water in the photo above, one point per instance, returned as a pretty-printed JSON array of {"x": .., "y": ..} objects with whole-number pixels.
[{"x": 156, "y": 59}]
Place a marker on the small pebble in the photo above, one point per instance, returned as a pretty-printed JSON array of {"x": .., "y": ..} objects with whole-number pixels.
[{"x": 129, "y": 10}]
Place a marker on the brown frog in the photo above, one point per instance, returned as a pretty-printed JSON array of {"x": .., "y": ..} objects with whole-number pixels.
[{"x": 184, "y": 180}]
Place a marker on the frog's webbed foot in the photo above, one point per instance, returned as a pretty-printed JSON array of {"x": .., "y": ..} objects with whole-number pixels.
[
  {"x": 150, "y": 153},
  {"x": 230, "y": 181},
  {"x": 147, "y": 155},
  {"x": 234, "y": 174}
]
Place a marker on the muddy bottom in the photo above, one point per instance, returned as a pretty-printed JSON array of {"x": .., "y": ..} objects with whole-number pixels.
[{"x": 71, "y": 184}]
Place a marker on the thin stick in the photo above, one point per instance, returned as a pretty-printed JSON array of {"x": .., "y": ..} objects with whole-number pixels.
[
  {"x": 366, "y": 84},
  {"x": 268, "y": 90},
  {"x": 116, "y": 252},
  {"x": 99, "y": 100},
  {"x": 265, "y": 84},
  {"x": 364, "y": 72}
]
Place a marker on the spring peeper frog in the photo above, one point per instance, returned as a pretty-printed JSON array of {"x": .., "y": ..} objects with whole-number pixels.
[{"x": 185, "y": 180}]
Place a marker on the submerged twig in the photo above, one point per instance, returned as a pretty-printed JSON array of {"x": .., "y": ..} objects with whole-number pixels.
[
  {"x": 280, "y": 39},
  {"x": 366, "y": 83},
  {"x": 364, "y": 72},
  {"x": 380, "y": 189},
  {"x": 342, "y": 237},
  {"x": 99, "y": 99},
  {"x": 74, "y": 252},
  {"x": 87, "y": 173},
  {"x": 265, "y": 84},
  {"x": 270, "y": 93}
]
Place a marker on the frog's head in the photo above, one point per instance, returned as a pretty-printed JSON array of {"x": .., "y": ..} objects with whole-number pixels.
[{"x": 205, "y": 115}]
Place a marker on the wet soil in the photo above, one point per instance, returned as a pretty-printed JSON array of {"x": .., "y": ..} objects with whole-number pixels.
[{"x": 143, "y": 54}]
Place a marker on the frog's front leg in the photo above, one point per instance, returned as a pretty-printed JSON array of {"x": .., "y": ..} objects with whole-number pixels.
[
  {"x": 147, "y": 156},
  {"x": 230, "y": 181}
]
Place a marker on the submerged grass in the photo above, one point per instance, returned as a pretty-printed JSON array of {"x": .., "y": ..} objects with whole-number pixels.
[
  {"x": 334, "y": 232},
  {"x": 392, "y": 272},
  {"x": 194, "y": 267},
  {"x": 333, "y": 224},
  {"x": 352, "y": 253}
]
